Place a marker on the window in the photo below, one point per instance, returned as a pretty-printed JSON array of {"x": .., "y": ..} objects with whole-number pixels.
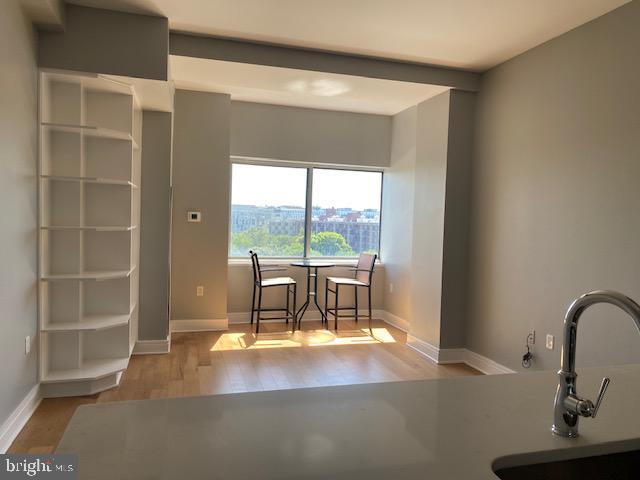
[
  {"x": 345, "y": 219},
  {"x": 270, "y": 215},
  {"x": 268, "y": 210}
]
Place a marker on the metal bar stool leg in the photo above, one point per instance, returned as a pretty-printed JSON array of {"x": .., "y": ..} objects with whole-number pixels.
[
  {"x": 326, "y": 303},
  {"x": 355, "y": 294},
  {"x": 286, "y": 316},
  {"x": 370, "y": 330},
  {"x": 259, "y": 310},
  {"x": 336, "y": 307},
  {"x": 294, "y": 311},
  {"x": 253, "y": 302}
]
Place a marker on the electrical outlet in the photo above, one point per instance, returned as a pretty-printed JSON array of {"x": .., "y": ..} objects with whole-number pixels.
[
  {"x": 27, "y": 344},
  {"x": 532, "y": 337},
  {"x": 200, "y": 291},
  {"x": 550, "y": 340},
  {"x": 391, "y": 288}
]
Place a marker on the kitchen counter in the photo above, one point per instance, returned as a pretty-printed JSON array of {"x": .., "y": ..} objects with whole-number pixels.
[{"x": 433, "y": 429}]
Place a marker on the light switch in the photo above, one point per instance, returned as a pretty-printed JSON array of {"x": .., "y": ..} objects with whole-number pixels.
[{"x": 193, "y": 216}]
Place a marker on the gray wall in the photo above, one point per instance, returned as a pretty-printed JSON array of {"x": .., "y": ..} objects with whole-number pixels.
[
  {"x": 309, "y": 135},
  {"x": 18, "y": 204},
  {"x": 425, "y": 230},
  {"x": 201, "y": 181},
  {"x": 555, "y": 202},
  {"x": 455, "y": 254},
  {"x": 430, "y": 178},
  {"x": 104, "y": 41},
  {"x": 155, "y": 226},
  {"x": 396, "y": 236}
]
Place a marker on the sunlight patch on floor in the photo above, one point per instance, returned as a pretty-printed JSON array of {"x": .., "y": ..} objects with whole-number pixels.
[{"x": 308, "y": 338}]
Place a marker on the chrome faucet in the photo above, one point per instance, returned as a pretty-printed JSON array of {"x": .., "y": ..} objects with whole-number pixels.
[{"x": 569, "y": 407}]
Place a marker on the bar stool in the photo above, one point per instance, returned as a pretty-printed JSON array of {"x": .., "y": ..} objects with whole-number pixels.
[
  {"x": 362, "y": 279},
  {"x": 259, "y": 283}
]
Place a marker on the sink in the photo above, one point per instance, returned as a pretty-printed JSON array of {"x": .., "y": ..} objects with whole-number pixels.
[{"x": 614, "y": 466}]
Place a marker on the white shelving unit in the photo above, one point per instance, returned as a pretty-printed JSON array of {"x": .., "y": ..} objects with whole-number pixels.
[{"x": 90, "y": 129}]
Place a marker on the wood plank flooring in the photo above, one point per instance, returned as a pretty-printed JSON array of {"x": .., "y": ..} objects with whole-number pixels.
[{"x": 206, "y": 363}]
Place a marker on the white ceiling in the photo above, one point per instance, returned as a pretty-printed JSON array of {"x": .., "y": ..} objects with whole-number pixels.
[
  {"x": 469, "y": 34},
  {"x": 299, "y": 88}
]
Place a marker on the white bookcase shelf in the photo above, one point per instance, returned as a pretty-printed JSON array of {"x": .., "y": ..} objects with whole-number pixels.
[
  {"x": 105, "y": 181},
  {"x": 95, "y": 228},
  {"x": 91, "y": 370},
  {"x": 89, "y": 322},
  {"x": 90, "y": 130},
  {"x": 94, "y": 275}
]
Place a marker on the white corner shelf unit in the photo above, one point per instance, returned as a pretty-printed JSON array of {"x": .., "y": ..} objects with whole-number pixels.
[{"x": 89, "y": 201}]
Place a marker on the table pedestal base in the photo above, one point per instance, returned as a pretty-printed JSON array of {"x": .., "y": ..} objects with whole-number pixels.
[{"x": 312, "y": 273}]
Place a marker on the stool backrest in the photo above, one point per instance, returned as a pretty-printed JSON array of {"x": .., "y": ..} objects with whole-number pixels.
[
  {"x": 364, "y": 269},
  {"x": 255, "y": 264}
]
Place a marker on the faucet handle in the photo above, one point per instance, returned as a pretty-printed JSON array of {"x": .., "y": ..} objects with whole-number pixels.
[{"x": 601, "y": 392}]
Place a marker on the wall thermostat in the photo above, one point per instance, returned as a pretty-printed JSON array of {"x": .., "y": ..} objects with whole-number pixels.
[{"x": 193, "y": 217}]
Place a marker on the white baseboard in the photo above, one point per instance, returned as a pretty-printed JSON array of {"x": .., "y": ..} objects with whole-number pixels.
[
  {"x": 199, "y": 324},
  {"x": 391, "y": 319},
  {"x": 484, "y": 364},
  {"x": 18, "y": 418},
  {"x": 238, "y": 317},
  {"x": 452, "y": 355},
  {"x": 444, "y": 356},
  {"x": 425, "y": 348},
  {"x": 150, "y": 347}
]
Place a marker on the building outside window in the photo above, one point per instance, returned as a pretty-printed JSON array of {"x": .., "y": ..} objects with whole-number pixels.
[{"x": 269, "y": 212}]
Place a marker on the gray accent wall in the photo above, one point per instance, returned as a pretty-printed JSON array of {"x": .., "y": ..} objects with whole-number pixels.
[
  {"x": 556, "y": 197},
  {"x": 309, "y": 135},
  {"x": 396, "y": 235},
  {"x": 201, "y": 181},
  {"x": 153, "y": 323},
  {"x": 19, "y": 207},
  {"x": 425, "y": 233},
  {"x": 455, "y": 253},
  {"x": 430, "y": 176},
  {"x": 105, "y": 41},
  {"x": 260, "y": 53}
]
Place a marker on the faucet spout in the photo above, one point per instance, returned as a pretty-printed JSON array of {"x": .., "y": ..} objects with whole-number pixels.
[
  {"x": 577, "y": 308},
  {"x": 568, "y": 405}
]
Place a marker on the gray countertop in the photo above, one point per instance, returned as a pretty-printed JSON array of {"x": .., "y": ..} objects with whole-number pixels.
[{"x": 433, "y": 429}]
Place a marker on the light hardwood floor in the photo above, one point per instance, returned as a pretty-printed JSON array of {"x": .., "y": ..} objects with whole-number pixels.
[{"x": 206, "y": 363}]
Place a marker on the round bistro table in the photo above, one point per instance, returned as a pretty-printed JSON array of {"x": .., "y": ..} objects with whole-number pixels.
[{"x": 312, "y": 267}]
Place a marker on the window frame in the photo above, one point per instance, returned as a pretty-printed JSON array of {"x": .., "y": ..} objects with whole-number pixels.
[{"x": 309, "y": 167}]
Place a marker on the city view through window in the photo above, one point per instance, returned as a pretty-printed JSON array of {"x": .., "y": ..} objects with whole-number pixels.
[{"x": 268, "y": 211}]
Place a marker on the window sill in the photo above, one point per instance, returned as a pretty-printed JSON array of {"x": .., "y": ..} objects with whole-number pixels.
[{"x": 349, "y": 262}]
